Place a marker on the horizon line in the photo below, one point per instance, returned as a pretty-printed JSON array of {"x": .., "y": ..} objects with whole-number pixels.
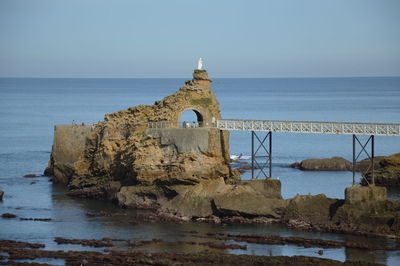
[{"x": 221, "y": 77}]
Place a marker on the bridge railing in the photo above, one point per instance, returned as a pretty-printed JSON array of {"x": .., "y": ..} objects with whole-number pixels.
[
  {"x": 310, "y": 127},
  {"x": 168, "y": 124}
]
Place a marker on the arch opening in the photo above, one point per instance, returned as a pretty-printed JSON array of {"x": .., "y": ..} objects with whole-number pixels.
[{"x": 191, "y": 118}]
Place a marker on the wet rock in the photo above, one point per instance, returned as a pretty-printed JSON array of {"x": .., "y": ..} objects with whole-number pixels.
[
  {"x": 36, "y": 219},
  {"x": 1, "y": 194},
  {"x": 31, "y": 176},
  {"x": 8, "y": 215},
  {"x": 248, "y": 220},
  {"x": 85, "y": 242},
  {"x": 210, "y": 219},
  {"x": 215, "y": 245},
  {"x": 320, "y": 252},
  {"x": 19, "y": 245},
  {"x": 326, "y": 164},
  {"x": 143, "y": 242},
  {"x": 17, "y": 251},
  {"x": 298, "y": 241}
]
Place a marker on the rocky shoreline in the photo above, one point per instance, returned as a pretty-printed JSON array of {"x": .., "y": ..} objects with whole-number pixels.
[
  {"x": 215, "y": 254},
  {"x": 184, "y": 174}
]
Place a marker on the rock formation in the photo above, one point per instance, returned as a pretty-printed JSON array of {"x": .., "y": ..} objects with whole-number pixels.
[
  {"x": 326, "y": 164},
  {"x": 387, "y": 173},
  {"x": 142, "y": 158},
  {"x": 122, "y": 157}
]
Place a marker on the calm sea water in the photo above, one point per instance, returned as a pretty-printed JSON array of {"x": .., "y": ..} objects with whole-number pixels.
[{"x": 29, "y": 108}]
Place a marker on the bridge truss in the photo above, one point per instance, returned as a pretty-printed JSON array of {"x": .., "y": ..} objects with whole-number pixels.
[{"x": 371, "y": 129}]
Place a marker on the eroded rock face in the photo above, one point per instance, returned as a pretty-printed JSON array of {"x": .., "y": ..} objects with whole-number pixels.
[
  {"x": 387, "y": 173},
  {"x": 122, "y": 149}
]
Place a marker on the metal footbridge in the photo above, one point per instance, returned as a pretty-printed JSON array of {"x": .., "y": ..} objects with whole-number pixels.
[
  {"x": 261, "y": 150},
  {"x": 350, "y": 128}
]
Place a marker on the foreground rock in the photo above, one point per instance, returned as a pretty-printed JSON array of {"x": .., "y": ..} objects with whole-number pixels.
[
  {"x": 387, "y": 174},
  {"x": 326, "y": 164},
  {"x": 15, "y": 251}
]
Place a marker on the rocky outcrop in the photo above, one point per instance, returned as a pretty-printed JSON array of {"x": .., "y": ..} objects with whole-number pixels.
[
  {"x": 97, "y": 160},
  {"x": 387, "y": 173},
  {"x": 365, "y": 210},
  {"x": 207, "y": 198},
  {"x": 326, "y": 164},
  {"x": 337, "y": 164}
]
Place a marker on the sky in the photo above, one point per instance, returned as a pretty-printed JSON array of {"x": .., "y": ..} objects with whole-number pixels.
[{"x": 235, "y": 38}]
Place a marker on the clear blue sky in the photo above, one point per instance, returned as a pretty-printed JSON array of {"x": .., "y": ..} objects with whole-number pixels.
[{"x": 164, "y": 38}]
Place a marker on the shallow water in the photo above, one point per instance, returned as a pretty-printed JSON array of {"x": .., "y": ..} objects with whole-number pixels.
[{"x": 29, "y": 108}]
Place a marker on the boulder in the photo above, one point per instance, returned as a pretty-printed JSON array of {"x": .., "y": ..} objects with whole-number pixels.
[
  {"x": 326, "y": 164},
  {"x": 310, "y": 209},
  {"x": 1, "y": 194}
]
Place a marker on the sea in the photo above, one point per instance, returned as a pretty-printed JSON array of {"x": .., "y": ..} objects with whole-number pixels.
[{"x": 30, "y": 107}]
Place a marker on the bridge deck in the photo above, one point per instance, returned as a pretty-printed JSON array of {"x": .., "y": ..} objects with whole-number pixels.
[
  {"x": 350, "y": 128},
  {"x": 310, "y": 127}
]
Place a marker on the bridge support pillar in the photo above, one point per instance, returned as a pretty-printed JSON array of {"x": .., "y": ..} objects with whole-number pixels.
[
  {"x": 261, "y": 156},
  {"x": 371, "y": 155}
]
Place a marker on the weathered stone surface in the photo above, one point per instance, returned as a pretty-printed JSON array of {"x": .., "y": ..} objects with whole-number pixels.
[
  {"x": 371, "y": 217},
  {"x": 365, "y": 165},
  {"x": 244, "y": 202},
  {"x": 196, "y": 200},
  {"x": 310, "y": 209},
  {"x": 180, "y": 140},
  {"x": 387, "y": 174},
  {"x": 270, "y": 188},
  {"x": 68, "y": 146},
  {"x": 139, "y": 197},
  {"x": 325, "y": 164},
  {"x": 364, "y": 194},
  {"x": 123, "y": 149}
]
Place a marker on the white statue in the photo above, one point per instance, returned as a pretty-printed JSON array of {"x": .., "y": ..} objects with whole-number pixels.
[{"x": 200, "y": 64}]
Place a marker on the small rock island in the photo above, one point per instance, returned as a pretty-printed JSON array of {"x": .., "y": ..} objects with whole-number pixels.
[{"x": 144, "y": 158}]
